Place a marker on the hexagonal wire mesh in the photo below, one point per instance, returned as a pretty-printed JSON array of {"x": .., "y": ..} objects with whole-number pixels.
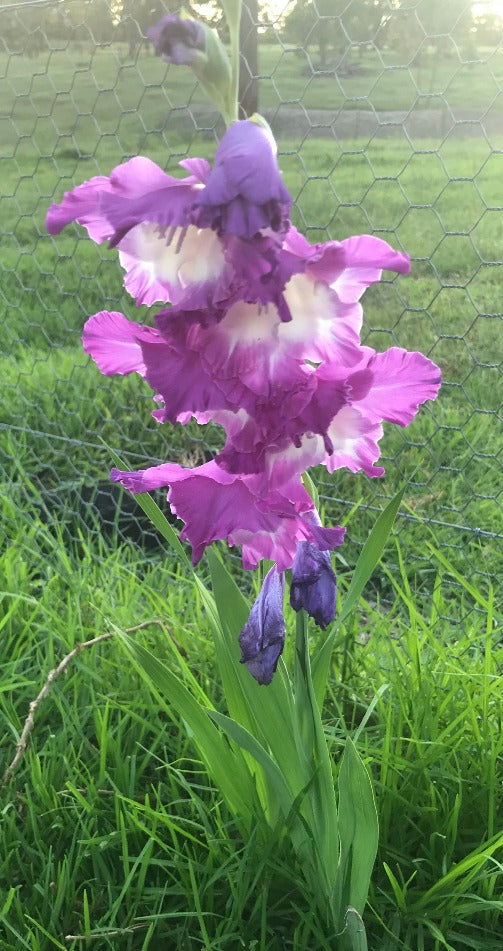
[{"x": 389, "y": 118}]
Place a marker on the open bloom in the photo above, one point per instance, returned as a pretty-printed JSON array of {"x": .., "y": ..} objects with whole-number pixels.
[
  {"x": 266, "y": 521},
  {"x": 260, "y": 340},
  {"x": 186, "y": 240},
  {"x": 281, "y": 416}
]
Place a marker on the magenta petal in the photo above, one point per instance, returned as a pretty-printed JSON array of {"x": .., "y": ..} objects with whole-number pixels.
[
  {"x": 146, "y": 480},
  {"x": 182, "y": 265},
  {"x": 82, "y": 205},
  {"x": 199, "y": 168},
  {"x": 177, "y": 374},
  {"x": 214, "y": 504},
  {"x": 402, "y": 380},
  {"x": 210, "y": 502},
  {"x": 354, "y": 436},
  {"x": 366, "y": 258},
  {"x": 137, "y": 191},
  {"x": 115, "y": 342}
]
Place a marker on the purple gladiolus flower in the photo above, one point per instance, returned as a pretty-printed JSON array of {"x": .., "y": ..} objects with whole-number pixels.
[
  {"x": 313, "y": 585},
  {"x": 148, "y": 216},
  {"x": 179, "y": 41},
  {"x": 263, "y": 636},
  {"x": 262, "y": 338}
]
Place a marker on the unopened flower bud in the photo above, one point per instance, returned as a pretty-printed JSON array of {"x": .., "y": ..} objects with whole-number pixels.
[{"x": 186, "y": 42}]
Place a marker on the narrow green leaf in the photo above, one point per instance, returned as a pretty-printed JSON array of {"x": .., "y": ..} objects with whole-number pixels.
[
  {"x": 311, "y": 488},
  {"x": 369, "y": 711},
  {"x": 398, "y": 889},
  {"x": 224, "y": 764},
  {"x": 247, "y": 742},
  {"x": 353, "y": 936},
  {"x": 152, "y": 510},
  {"x": 370, "y": 554},
  {"x": 267, "y": 712},
  {"x": 462, "y": 873},
  {"x": 358, "y": 831},
  {"x": 319, "y": 807},
  {"x": 472, "y": 590},
  {"x": 291, "y": 809},
  {"x": 367, "y": 561}
]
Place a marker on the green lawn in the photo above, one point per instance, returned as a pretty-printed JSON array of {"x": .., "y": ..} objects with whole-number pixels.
[
  {"x": 110, "y": 830},
  {"x": 105, "y": 83}
]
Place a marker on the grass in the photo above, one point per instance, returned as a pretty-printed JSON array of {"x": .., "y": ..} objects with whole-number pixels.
[
  {"x": 110, "y": 826},
  {"x": 110, "y": 829},
  {"x": 106, "y": 80}
]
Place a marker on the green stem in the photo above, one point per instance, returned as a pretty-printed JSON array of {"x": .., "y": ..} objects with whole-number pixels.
[
  {"x": 235, "y": 70},
  {"x": 232, "y": 11},
  {"x": 301, "y": 640}
]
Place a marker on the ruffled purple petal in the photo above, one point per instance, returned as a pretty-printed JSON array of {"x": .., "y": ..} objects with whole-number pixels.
[
  {"x": 366, "y": 258},
  {"x": 82, "y": 205},
  {"x": 199, "y": 168},
  {"x": 115, "y": 343},
  {"x": 237, "y": 350},
  {"x": 351, "y": 442},
  {"x": 176, "y": 373},
  {"x": 322, "y": 326},
  {"x": 355, "y": 443},
  {"x": 182, "y": 265},
  {"x": 402, "y": 380},
  {"x": 244, "y": 193},
  {"x": 247, "y": 511},
  {"x": 263, "y": 636},
  {"x": 252, "y": 354},
  {"x": 137, "y": 191}
]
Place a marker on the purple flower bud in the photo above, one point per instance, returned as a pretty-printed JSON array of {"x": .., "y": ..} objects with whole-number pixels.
[
  {"x": 244, "y": 193},
  {"x": 179, "y": 41},
  {"x": 313, "y": 584},
  {"x": 263, "y": 635}
]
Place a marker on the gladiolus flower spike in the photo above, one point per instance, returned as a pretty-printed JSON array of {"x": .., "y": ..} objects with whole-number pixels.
[{"x": 261, "y": 336}]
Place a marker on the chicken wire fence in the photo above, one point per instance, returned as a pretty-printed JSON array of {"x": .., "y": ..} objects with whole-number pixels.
[{"x": 389, "y": 120}]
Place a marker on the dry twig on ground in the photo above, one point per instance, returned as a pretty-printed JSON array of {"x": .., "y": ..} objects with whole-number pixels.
[{"x": 54, "y": 674}]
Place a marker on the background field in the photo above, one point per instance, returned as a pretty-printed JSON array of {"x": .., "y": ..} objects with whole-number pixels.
[{"x": 108, "y": 825}]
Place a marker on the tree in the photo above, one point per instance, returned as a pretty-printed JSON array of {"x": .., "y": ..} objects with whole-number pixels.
[
  {"x": 314, "y": 22},
  {"x": 488, "y": 29},
  {"x": 429, "y": 23},
  {"x": 333, "y": 24}
]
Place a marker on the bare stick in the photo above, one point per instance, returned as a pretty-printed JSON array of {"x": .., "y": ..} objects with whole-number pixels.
[
  {"x": 54, "y": 674},
  {"x": 106, "y": 934}
]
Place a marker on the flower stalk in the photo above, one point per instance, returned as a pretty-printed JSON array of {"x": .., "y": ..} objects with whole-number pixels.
[{"x": 233, "y": 11}]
